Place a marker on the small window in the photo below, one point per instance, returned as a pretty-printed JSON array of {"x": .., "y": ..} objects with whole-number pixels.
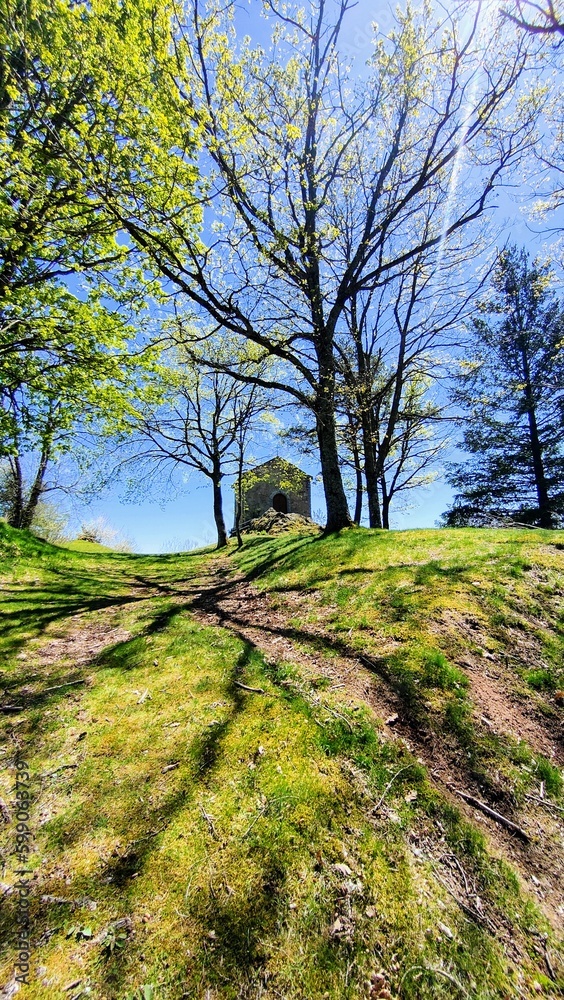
[{"x": 280, "y": 503}]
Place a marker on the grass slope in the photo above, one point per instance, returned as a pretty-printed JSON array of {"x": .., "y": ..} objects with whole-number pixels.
[
  {"x": 81, "y": 545},
  {"x": 196, "y": 839},
  {"x": 427, "y": 604}
]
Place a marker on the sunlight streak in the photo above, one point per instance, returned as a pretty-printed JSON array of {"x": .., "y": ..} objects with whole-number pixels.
[{"x": 487, "y": 14}]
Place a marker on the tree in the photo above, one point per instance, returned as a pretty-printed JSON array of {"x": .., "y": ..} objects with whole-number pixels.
[
  {"x": 283, "y": 137},
  {"x": 393, "y": 358},
  {"x": 544, "y": 18},
  {"x": 68, "y": 72},
  {"x": 545, "y": 21},
  {"x": 48, "y": 521},
  {"x": 50, "y": 226},
  {"x": 204, "y": 422},
  {"x": 89, "y": 375},
  {"x": 512, "y": 392}
]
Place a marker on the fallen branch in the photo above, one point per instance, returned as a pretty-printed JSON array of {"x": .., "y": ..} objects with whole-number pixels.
[
  {"x": 67, "y": 684},
  {"x": 147, "y": 836},
  {"x": 64, "y": 901},
  {"x": 507, "y": 823},
  {"x": 549, "y": 965},
  {"x": 209, "y": 820},
  {"x": 545, "y": 802},
  {"x": 11, "y": 708},
  {"x": 338, "y": 715},
  {"x": 260, "y": 813},
  {"x": 452, "y": 857},
  {"x": 470, "y": 911},
  {"x": 245, "y": 687}
]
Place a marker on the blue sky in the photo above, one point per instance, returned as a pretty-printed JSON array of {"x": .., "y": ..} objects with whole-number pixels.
[{"x": 186, "y": 519}]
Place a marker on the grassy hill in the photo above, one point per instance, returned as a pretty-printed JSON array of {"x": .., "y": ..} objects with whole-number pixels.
[
  {"x": 246, "y": 768},
  {"x": 81, "y": 545}
]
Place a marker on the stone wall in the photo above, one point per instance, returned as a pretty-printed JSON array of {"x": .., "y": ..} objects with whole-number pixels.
[{"x": 276, "y": 483}]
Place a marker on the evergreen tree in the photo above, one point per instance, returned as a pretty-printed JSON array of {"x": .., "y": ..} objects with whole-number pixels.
[{"x": 512, "y": 392}]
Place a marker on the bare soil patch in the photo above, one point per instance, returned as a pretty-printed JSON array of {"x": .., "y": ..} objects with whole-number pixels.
[
  {"x": 80, "y": 643},
  {"x": 499, "y": 701}
]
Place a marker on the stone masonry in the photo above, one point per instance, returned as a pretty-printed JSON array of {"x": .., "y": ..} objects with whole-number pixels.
[{"x": 278, "y": 484}]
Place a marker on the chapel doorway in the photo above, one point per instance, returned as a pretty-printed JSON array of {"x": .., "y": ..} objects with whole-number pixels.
[{"x": 280, "y": 503}]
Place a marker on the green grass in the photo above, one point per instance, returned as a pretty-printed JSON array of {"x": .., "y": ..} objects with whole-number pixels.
[
  {"x": 216, "y": 822},
  {"x": 421, "y": 602},
  {"x": 81, "y": 545}
]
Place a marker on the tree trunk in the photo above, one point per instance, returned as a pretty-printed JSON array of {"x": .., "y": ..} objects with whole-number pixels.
[
  {"x": 370, "y": 476},
  {"x": 16, "y": 512},
  {"x": 385, "y": 503},
  {"x": 37, "y": 486},
  {"x": 545, "y": 518},
  {"x": 359, "y": 490},
  {"x": 367, "y": 425},
  {"x": 239, "y": 502},
  {"x": 337, "y": 508},
  {"x": 218, "y": 509}
]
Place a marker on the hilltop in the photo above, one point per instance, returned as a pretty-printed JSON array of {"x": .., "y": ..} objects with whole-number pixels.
[{"x": 255, "y": 774}]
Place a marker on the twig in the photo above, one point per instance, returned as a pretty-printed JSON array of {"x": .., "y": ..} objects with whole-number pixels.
[
  {"x": 507, "y": 823},
  {"x": 147, "y": 836},
  {"x": 338, "y": 715},
  {"x": 549, "y": 965},
  {"x": 245, "y": 687},
  {"x": 57, "y": 687},
  {"x": 436, "y": 972},
  {"x": 63, "y": 767},
  {"x": 544, "y": 802},
  {"x": 260, "y": 813},
  {"x": 64, "y": 901},
  {"x": 389, "y": 785},
  {"x": 474, "y": 915},
  {"x": 209, "y": 821},
  {"x": 11, "y": 708},
  {"x": 453, "y": 857},
  {"x": 59, "y": 899}
]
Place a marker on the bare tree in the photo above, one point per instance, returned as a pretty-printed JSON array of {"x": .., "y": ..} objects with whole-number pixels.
[
  {"x": 393, "y": 358},
  {"x": 204, "y": 421},
  {"x": 283, "y": 135}
]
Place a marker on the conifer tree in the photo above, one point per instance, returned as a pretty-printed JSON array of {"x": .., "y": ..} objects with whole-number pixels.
[{"x": 512, "y": 395}]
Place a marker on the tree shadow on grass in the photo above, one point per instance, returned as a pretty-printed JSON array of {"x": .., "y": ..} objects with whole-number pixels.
[
  {"x": 68, "y": 591},
  {"x": 262, "y": 547},
  {"x": 416, "y": 720},
  {"x": 111, "y": 883}
]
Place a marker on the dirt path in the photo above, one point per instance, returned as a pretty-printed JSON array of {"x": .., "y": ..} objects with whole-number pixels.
[
  {"x": 231, "y": 602},
  {"x": 59, "y": 659}
]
